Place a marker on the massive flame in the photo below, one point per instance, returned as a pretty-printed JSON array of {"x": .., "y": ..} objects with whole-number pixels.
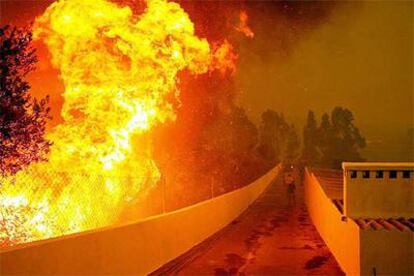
[{"x": 120, "y": 76}]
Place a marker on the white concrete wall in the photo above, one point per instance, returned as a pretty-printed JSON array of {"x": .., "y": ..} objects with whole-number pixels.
[
  {"x": 137, "y": 248},
  {"x": 378, "y": 197},
  {"x": 390, "y": 252},
  {"x": 341, "y": 237}
]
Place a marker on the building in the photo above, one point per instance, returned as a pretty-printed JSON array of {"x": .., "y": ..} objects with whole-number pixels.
[{"x": 365, "y": 214}]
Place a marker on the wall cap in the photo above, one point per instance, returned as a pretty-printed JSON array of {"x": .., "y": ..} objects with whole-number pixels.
[{"x": 377, "y": 165}]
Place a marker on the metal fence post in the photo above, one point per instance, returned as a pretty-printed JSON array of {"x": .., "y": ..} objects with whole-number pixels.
[{"x": 163, "y": 193}]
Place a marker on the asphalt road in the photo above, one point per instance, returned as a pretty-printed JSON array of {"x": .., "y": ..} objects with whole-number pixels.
[{"x": 272, "y": 237}]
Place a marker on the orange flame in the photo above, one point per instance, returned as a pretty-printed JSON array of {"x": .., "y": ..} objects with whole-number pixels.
[
  {"x": 243, "y": 27},
  {"x": 119, "y": 72},
  {"x": 223, "y": 58}
]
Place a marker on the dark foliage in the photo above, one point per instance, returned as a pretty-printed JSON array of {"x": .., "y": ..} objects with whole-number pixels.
[
  {"x": 22, "y": 118},
  {"x": 336, "y": 140},
  {"x": 211, "y": 148},
  {"x": 291, "y": 152},
  {"x": 230, "y": 147},
  {"x": 310, "y": 139},
  {"x": 278, "y": 139}
]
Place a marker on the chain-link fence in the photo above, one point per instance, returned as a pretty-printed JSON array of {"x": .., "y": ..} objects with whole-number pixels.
[
  {"x": 39, "y": 205},
  {"x": 36, "y": 205}
]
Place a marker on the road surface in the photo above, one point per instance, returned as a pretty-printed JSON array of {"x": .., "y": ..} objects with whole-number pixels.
[{"x": 273, "y": 236}]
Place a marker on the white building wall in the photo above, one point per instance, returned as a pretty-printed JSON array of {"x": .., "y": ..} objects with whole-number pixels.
[{"x": 378, "y": 197}]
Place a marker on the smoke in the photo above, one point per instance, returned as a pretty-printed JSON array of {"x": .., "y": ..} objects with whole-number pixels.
[{"x": 278, "y": 25}]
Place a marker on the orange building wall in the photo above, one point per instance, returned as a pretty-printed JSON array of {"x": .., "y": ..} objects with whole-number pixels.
[
  {"x": 342, "y": 237},
  {"x": 137, "y": 248},
  {"x": 389, "y": 252},
  {"x": 378, "y": 197},
  {"x": 358, "y": 252}
]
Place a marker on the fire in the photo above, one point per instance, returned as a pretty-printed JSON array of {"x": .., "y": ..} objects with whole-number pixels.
[
  {"x": 243, "y": 27},
  {"x": 120, "y": 74},
  {"x": 224, "y": 58}
]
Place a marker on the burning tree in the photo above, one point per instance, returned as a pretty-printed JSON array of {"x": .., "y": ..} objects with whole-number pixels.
[
  {"x": 22, "y": 117},
  {"x": 120, "y": 74}
]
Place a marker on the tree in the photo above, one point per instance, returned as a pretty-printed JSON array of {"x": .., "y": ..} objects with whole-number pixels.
[
  {"x": 229, "y": 145},
  {"x": 348, "y": 139},
  {"x": 339, "y": 139},
  {"x": 292, "y": 145},
  {"x": 273, "y": 136},
  {"x": 22, "y": 118},
  {"x": 268, "y": 143},
  {"x": 310, "y": 152},
  {"x": 325, "y": 141}
]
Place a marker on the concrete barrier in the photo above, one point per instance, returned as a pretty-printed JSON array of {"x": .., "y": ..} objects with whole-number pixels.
[
  {"x": 136, "y": 248},
  {"x": 341, "y": 237},
  {"x": 387, "y": 252},
  {"x": 358, "y": 252}
]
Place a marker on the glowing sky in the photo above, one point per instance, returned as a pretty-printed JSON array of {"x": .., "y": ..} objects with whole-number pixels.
[
  {"x": 361, "y": 57},
  {"x": 310, "y": 56}
]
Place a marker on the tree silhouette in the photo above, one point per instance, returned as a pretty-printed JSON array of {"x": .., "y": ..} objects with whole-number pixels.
[
  {"x": 292, "y": 145},
  {"x": 310, "y": 152},
  {"x": 274, "y": 131},
  {"x": 347, "y": 137},
  {"x": 268, "y": 136},
  {"x": 22, "y": 118},
  {"x": 325, "y": 141},
  {"x": 339, "y": 139},
  {"x": 230, "y": 147}
]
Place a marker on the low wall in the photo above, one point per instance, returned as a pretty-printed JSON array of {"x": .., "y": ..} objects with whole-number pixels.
[
  {"x": 342, "y": 237},
  {"x": 389, "y": 252},
  {"x": 137, "y": 248}
]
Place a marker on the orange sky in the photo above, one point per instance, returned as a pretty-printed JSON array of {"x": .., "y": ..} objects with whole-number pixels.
[{"x": 359, "y": 55}]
